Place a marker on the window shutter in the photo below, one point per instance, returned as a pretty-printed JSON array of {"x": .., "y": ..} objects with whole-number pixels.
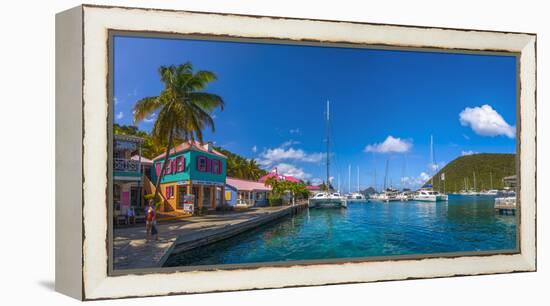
[{"x": 158, "y": 167}]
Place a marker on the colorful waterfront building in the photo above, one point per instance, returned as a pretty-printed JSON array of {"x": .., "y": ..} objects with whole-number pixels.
[
  {"x": 275, "y": 174},
  {"x": 128, "y": 173},
  {"x": 246, "y": 193},
  {"x": 313, "y": 190},
  {"x": 195, "y": 175}
]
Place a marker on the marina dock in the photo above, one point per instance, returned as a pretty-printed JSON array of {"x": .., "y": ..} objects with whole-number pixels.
[
  {"x": 132, "y": 251},
  {"x": 506, "y": 206}
]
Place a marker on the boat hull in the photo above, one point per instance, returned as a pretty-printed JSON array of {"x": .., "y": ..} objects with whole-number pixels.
[
  {"x": 327, "y": 203},
  {"x": 431, "y": 198}
]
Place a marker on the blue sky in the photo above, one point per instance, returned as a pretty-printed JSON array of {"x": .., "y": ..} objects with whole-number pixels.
[{"x": 384, "y": 104}]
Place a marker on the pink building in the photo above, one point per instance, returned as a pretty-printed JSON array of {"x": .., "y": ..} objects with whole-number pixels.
[
  {"x": 240, "y": 192},
  {"x": 276, "y": 175}
]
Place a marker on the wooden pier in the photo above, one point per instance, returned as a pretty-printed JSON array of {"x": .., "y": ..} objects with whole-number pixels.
[
  {"x": 132, "y": 251},
  {"x": 505, "y": 206}
]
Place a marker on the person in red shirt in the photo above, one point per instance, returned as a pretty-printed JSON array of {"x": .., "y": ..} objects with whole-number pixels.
[{"x": 150, "y": 222}]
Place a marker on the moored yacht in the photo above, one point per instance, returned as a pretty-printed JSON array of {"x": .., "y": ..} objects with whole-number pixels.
[
  {"x": 405, "y": 195},
  {"x": 492, "y": 192},
  {"x": 429, "y": 195},
  {"x": 326, "y": 199},
  {"x": 387, "y": 196},
  {"x": 355, "y": 197}
]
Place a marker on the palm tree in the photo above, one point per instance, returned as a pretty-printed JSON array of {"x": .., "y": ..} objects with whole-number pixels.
[
  {"x": 253, "y": 170},
  {"x": 183, "y": 109}
]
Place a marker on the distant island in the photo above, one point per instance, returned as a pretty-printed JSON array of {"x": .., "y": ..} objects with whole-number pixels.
[{"x": 489, "y": 169}]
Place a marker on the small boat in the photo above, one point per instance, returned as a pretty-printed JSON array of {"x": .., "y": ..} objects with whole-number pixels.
[
  {"x": 355, "y": 197},
  {"x": 327, "y": 200},
  {"x": 492, "y": 192},
  {"x": 388, "y": 195},
  {"x": 470, "y": 192},
  {"x": 429, "y": 195},
  {"x": 405, "y": 195},
  {"x": 507, "y": 192}
]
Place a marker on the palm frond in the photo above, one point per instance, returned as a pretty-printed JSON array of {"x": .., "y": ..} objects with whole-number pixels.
[
  {"x": 206, "y": 101},
  {"x": 145, "y": 107}
]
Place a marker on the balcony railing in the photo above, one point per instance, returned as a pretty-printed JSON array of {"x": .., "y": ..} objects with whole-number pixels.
[{"x": 126, "y": 165}]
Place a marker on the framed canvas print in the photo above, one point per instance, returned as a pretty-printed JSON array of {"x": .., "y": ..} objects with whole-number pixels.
[{"x": 202, "y": 152}]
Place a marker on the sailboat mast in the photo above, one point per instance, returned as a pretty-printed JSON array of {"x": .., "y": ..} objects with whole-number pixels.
[
  {"x": 349, "y": 178},
  {"x": 358, "y": 189},
  {"x": 386, "y": 174},
  {"x": 328, "y": 146},
  {"x": 432, "y": 157}
]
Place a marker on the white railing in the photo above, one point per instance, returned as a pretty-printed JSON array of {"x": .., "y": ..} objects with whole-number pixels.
[{"x": 126, "y": 165}]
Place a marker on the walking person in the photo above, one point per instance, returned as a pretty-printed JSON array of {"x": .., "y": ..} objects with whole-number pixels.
[{"x": 150, "y": 222}]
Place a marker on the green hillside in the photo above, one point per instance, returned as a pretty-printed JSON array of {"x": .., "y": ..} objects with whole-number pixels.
[{"x": 484, "y": 165}]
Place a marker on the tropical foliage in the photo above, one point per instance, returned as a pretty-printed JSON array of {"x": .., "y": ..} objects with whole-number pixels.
[
  {"x": 280, "y": 187},
  {"x": 237, "y": 166},
  {"x": 489, "y": 170},
  {"x": 240, "y": 167},
  {"x": 182, "y": 109},
  {"x": 149, "y": 148}
]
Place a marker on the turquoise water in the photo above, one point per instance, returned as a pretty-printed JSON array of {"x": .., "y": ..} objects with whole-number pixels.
[{"x": 464, "y": 223}]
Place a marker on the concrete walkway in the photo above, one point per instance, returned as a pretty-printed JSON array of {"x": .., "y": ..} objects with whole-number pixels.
[{"x": 132, "y": 251}]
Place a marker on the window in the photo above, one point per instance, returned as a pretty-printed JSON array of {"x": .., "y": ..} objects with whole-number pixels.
[
  {"x": 180, "y": 162},
  {"x": 216, "y": 165},
  {"x": 202, "y": 162},
  {"x": 173, "y": 168},
  {"x": 158, "y": 167},
  {"x": 169, "y": 192}
]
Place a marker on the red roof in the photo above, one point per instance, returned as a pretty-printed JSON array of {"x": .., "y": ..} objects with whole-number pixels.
[
  {"x": 279, "y": 177},
  {"x": 246, "y": 185},
  {"x": 188, "y": 145},
  {"x": 313, "y": 187}
]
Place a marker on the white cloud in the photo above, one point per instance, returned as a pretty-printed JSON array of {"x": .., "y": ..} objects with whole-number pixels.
[
  {"x": 316, "y": 181},
  {"x": 119, "y": 116},
  {"x": 291, "y": 170},
  {"x": 294, "y": 131},
  {"x": 391, "y": 144},
  {"x": 435, "y": 167},
  {"x": 254, "y": 149},
  {"x": 415, "y": 182},
  {"x": 466, "y": 136},
  {"x": 116, "y": 100},
  {"x": 468, "y": 152},
  {"x": 424, "y": 177},
  {"x": 485, "y": 121},
  {"x": 286, "y": 153},
  {"x": 150, "y": 118},
  {"x": 289, "y": 143}
]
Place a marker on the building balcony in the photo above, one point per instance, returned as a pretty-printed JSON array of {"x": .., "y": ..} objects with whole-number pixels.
[{"x": 126, "y": 168}]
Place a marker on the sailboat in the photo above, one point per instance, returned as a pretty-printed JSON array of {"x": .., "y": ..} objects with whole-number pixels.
[
  {"x": 388, "y": 194},
  {"x": 328, "y": 198},
  {"x": 426, "y": 193},
  {"x": 354, "y": 197}
]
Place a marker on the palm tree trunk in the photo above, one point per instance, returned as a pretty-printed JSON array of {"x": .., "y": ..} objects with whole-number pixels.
[{"x": 166, "y": 158}]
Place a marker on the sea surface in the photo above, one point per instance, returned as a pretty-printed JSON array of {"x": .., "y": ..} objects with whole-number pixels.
[{"x": 463, "y": 224}]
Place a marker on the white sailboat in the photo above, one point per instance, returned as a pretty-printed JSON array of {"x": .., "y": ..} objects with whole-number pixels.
[
  {"x": 354, "y": 197},
  {"x": 328, "y": 198},
  {"x": 426, "y": 193}
]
